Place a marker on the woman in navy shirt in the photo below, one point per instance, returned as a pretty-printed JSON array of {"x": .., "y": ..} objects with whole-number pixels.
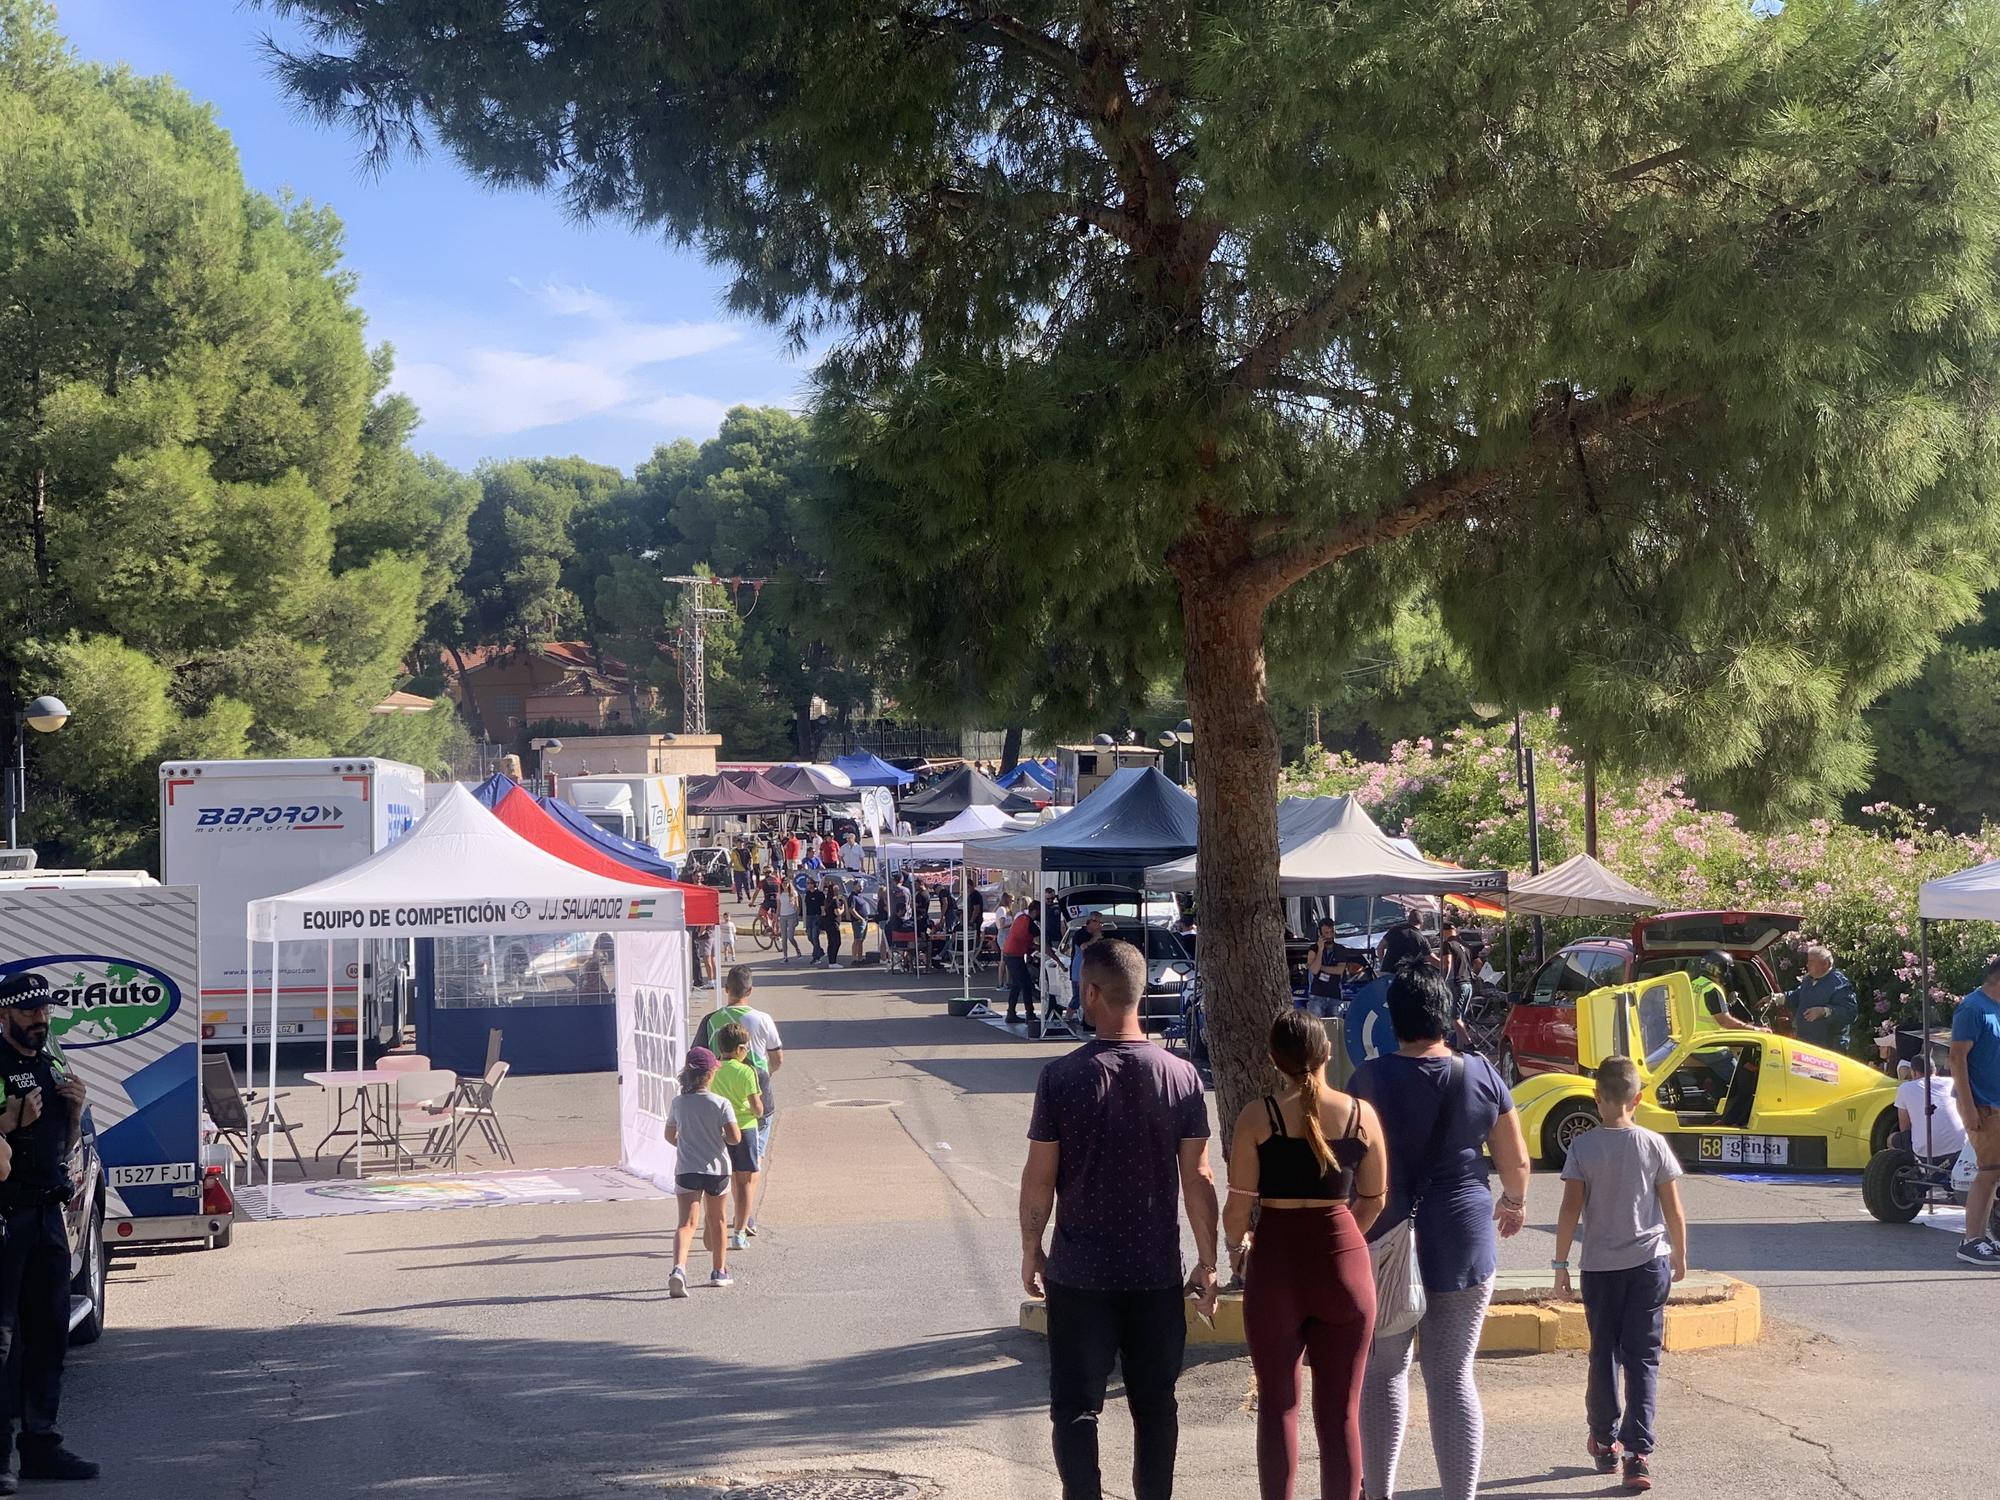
[{"x": 1457, "y": 1217}]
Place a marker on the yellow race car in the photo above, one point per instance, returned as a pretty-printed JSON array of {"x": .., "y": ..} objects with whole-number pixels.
[{"x": 1725, "y": 1099}]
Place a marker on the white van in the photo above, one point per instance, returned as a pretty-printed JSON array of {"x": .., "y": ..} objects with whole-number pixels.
[{"x": 650, "y": 810}]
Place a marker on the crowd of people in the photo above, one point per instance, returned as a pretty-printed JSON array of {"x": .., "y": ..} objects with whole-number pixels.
[{"x": 1319, "y": 1182}]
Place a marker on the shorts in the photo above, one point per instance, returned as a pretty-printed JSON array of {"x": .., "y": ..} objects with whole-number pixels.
[
  {"x": 1986, "y": 1139},
  {"x": 714, "y": 1184},
  {"x": 744, "y": 1155}
]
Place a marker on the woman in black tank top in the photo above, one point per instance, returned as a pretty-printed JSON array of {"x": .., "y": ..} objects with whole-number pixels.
[{"x": 1310, "y": 1162}]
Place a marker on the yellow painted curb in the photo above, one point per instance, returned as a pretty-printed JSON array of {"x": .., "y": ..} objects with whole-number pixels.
[{"x": 1730, "y": 1313}]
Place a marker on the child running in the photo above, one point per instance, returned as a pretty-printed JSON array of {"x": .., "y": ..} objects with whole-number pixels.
[
  {"x": 736, "y": 1080},
  {"x": 701, "y": 1127},
  {"x": 1620, "y": 1181}
]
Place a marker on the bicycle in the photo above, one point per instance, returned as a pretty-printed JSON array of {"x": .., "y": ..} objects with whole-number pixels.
[{"x": 764, "y": 928}]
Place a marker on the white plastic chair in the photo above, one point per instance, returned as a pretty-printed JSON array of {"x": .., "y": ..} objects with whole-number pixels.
[{"x": 420, "y": 1104}]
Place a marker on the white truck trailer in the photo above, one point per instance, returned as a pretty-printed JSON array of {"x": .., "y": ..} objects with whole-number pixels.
[
  {"x": 240, "y": 829},
  {"x": 650, "y": 810}
]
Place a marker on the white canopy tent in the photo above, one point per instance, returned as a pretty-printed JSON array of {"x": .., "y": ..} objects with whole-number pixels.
[
  {"x": 1329, "y": 846},
  {"x": 461, "y": 872},
  {"x": 1578, "y": 887},
  {"x": 1968, "y": 896},
  {"x": 957, "y": 842}
]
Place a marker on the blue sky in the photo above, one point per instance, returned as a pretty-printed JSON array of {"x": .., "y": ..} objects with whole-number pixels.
[{"x": 518, "y": 332}]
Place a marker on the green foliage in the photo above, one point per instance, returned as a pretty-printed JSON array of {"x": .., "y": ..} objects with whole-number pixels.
[
  {"x": 216, "y": 541},
  {"x": 1938, "y": 737}
]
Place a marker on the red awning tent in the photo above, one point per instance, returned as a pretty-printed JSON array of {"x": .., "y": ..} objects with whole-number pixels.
[{"x": 524, "y": 815}]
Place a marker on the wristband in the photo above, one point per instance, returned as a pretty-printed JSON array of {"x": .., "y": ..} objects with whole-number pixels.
[{"x": 1558, "y": 1265}]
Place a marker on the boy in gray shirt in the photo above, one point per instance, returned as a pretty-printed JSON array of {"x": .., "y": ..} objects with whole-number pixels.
[{"x": 1620, "y": 1180}]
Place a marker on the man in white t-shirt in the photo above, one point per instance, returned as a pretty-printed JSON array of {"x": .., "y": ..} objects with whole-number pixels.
[
  {"x": 1946, "y": 1132},
  {"x": 767, "y": 1056},
  {"x": 850, "y": 854}
]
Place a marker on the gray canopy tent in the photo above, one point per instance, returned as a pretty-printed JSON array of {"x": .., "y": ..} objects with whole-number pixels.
[{"x": 1578, "y": 887}]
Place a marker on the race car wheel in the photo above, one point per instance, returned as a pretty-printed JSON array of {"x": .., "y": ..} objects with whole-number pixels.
[
  {"x": 1885, "y": 1126},
  {"x": 1890, "y": 1187},
  {"x": 1569, "y": 1121},
  {"x": 1508, "y": 1064}
]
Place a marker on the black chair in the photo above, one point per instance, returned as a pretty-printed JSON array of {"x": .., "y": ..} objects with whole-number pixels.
[{"x": 229, "y": 1111}]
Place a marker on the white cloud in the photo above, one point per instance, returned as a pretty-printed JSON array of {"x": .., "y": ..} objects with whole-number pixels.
[
  {"x": 608, "y": 365},
  {"x": 683, "y": 415}
]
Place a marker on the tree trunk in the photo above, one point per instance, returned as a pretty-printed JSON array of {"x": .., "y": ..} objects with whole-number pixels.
[
  {"x": 1590, "y": 804},
  {"x": 41, "y": 526},
  {"x": 1010, "y": 749},
  {"x": 1241, "y": 917},
  {"x": 466, "y": 700}
]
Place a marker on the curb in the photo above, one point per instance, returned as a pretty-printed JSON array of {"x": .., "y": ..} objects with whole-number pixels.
[{"x": 1709, "y": 1311}]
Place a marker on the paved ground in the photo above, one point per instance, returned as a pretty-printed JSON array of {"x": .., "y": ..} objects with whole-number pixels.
[{"x": 531, "y": 1351}]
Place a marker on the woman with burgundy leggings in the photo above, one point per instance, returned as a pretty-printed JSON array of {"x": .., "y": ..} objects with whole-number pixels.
[{"x": 1311, "y": 1162}]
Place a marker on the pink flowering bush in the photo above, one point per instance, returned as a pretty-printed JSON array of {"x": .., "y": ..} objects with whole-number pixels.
[{"x": 1854, "y": 884}]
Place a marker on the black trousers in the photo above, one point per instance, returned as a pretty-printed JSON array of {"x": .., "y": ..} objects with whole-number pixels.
[
  {"x": 1145, "y": 1333},
  {"x": 1020, "y": 989},
  {"x": 34, "y": 1320}
]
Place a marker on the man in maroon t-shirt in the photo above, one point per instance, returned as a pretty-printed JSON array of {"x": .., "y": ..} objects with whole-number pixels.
[{"x": 1119, "y": 1136}]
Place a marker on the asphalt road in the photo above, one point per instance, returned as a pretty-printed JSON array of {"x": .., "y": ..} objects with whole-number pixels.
[{"x": 531, "y": 1351}]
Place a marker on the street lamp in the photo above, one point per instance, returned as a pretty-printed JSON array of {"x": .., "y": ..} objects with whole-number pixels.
[
  {"x": 45, "y": 715},
  {"x": 1183, "y": 734},
  {"x": 1524, "y": 777}
]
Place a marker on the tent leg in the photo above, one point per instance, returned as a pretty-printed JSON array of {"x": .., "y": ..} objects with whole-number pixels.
[
  {"x": 329, "y": 1006},
  {"x": 1924, "y": 1042},
  {"x": 271, "y": 1111},
  {"x": 964, "y": 934},
  {"x": 360, "y": 1040},
  {"x": 1507, "y": 936}
]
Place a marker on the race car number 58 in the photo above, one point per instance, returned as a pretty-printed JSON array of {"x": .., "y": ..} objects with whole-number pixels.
[
  {"x": 150, "y": 1176},
  {"x": 1747, "y": 1150}
]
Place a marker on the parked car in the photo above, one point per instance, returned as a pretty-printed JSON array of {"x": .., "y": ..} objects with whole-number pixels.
[
  {"x": 1725, "y": 1100},
  {"x": 1169, "y": 961},
  {"x": 1540, "y": 1035},
  {"x": 707, "y": 864},
  {"x": 83, "y": 1221}
]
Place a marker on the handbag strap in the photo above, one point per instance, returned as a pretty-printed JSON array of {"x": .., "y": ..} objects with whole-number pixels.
[{"x": 1420, "y": 1180}]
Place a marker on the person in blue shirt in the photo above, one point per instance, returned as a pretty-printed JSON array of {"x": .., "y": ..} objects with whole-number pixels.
[
  {"x": 1823, "y": 1005},
  {"x": 1975, "y": 1074}
]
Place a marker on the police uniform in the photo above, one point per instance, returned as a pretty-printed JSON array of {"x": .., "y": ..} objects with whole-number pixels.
[{"x": 34, "y": 1259}]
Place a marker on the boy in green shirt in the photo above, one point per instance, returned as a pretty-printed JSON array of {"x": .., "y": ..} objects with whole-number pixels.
[{"x": 736, "y": 1081}]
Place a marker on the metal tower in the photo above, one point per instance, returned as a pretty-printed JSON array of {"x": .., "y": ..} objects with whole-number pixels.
[{"x": 702, "y": 601}]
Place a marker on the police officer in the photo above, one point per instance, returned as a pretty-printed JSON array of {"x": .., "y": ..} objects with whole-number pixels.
[{"x": 42, "y": 1120}]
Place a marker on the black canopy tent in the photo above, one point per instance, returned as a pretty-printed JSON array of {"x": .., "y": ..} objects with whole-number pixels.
[{"x": 955, "y": 792}]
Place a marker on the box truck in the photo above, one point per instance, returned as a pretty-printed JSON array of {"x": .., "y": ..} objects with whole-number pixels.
[
  {"x": 240, "y": 829},
  {"x": 649, "y": 810}
]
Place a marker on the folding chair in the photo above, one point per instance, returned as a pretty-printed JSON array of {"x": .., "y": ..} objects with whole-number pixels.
[
  {"x": 476, "y": 1109},
  {"x": 422, "y": 1102},
  {"x": 404, "y": 1062},
  {"x": 229, "y": 1112}
]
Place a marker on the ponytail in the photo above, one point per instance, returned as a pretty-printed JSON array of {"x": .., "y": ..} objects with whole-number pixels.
[{"x": 1300, "y": 1048}]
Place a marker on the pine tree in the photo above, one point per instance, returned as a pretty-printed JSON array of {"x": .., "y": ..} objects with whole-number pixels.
[{"x": 1653, "y": 339}]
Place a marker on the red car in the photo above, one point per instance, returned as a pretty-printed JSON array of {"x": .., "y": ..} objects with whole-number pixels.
[{"x": 1540, "y": 1035}]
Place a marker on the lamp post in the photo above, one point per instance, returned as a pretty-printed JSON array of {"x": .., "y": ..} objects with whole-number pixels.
[
  {"x": 1184, "y": 736},
  {"x": 1524, "y": 777},
  {"x": 45, "y": 715}
]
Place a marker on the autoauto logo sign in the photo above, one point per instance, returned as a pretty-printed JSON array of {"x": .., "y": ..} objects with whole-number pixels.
[{"x": 108, "y": 999}]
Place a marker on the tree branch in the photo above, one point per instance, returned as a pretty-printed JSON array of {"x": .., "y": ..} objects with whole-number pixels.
[
  {"x": 1259, "y": 366},
  {"x": 1456, "y": 492},
  {"x": 1640, "y": 168},
  {"x": 1355, "y": 398}
]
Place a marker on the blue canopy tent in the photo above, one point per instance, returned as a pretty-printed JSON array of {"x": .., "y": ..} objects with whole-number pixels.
[
  {"x": 865, "y": 769},
  {"x": 1029, "y": 770}
]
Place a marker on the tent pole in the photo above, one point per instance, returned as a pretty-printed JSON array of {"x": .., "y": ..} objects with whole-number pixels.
[
  {"x": 964, "y": 929},
  {"x": 1041, "y": 950},
  {"x": 271, "y": 1114},
  {"x": 329, "y": 1006},
  {"x": 1507, "y": 935},
  {"x": 250, "y": 1032},
  {"x": 1924, "y": 1035}
]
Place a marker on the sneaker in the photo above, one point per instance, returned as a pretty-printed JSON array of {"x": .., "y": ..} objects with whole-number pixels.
[
  {"x": 9, "y": 1485},
  {"x": 677, "y": 1282},
  {"x": 1638, "y": 1472},
  {"x": 739, "y": 1241},
  {"x": 1980, "y": 1252},
  {"x": 751, "y": 1229},
  {"x": 55, "y": 1463},
  {"x": 721, "y": 1278},
  {"x": 1605, "y": 1454}
]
